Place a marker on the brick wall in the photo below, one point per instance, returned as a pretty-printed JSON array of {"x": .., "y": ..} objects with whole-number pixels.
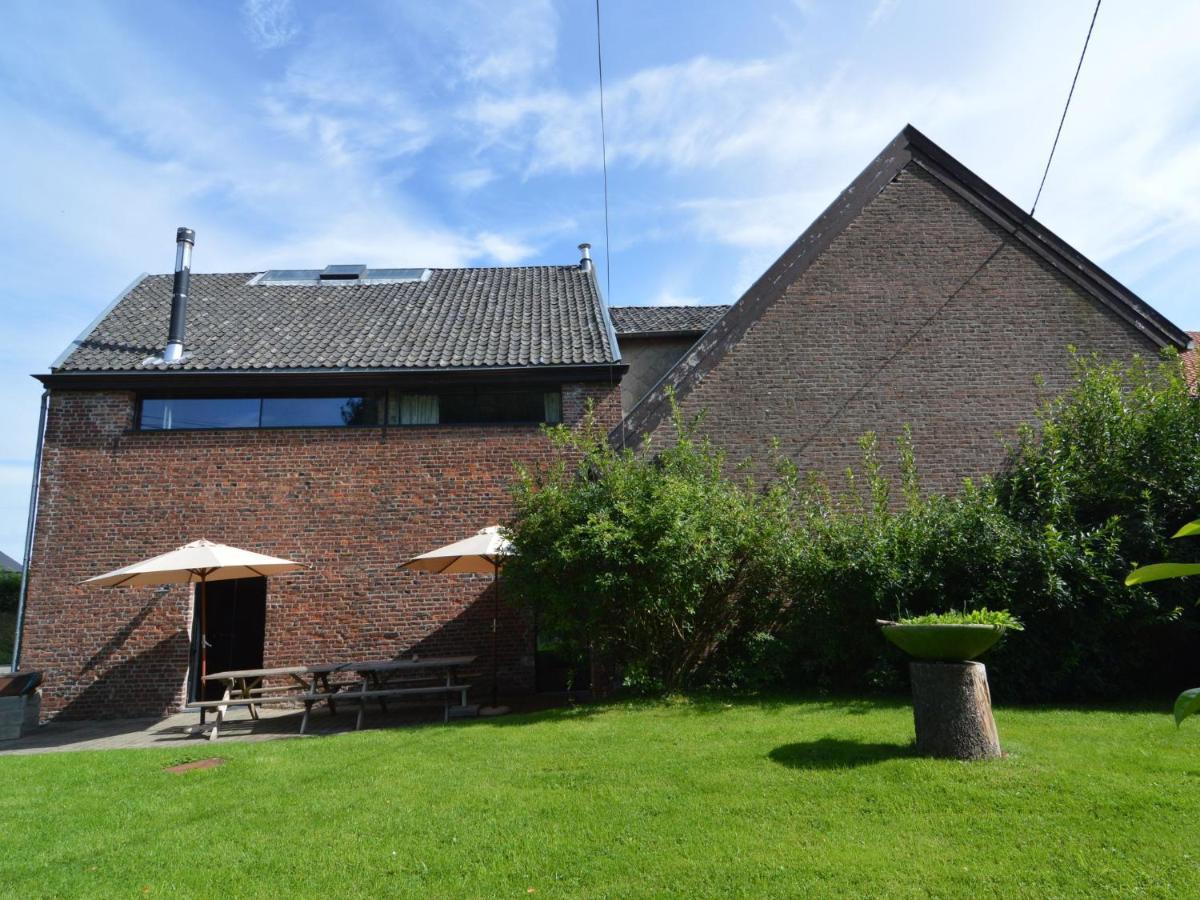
[
  {"x": 351, "y": 503},
  {"x": 648, "y": 359},
  {"x": 865, "y": 340}
]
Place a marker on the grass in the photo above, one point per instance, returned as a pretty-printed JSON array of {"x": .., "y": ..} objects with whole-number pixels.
[{"x": 687, "y": 797}]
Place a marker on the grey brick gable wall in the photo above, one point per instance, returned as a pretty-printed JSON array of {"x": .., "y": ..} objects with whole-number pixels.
[{"x": 864, "y": 339}]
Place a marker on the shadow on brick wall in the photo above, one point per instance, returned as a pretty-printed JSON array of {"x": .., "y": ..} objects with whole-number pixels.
[
  {"x": 470, "y": 633},
  {"x": 151, "y": 680},
  {"x": 117, "y": 641}
]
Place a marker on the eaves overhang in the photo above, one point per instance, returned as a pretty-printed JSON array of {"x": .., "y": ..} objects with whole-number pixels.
[{"x": 192, "y": 381}]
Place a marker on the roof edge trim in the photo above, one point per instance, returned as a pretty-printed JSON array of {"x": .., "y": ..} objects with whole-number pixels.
[
  {"x": 160, "y": 379},
  {"x": 91, "y": 326},
  {"x": 910, "y": 145},
  {"x": 652, "y": 409}
]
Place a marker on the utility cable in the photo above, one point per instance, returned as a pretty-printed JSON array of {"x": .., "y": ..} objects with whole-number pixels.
[
  {"x": 1070, "y": 94},
  {"x": 1009, "y": 233}
]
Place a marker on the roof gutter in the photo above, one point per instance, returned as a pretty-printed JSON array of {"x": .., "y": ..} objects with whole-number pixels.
[
  {"x": 194, "y": 380},
  {"x": 692, "y": 333}
]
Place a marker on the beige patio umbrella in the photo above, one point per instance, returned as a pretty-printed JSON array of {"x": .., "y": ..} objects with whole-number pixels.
[
  {"x": 198, "y": 562},
  {"x": 480, "y": 554}
]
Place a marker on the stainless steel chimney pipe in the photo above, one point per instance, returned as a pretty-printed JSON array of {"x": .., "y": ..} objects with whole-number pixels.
[{"x": 185, "y": 239}]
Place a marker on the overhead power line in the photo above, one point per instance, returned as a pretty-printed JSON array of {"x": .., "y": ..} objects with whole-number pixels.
[
  {"x": 603, "y": 158},
  {"x": 1066, "y": 106},
  {"x": 1005, "y": 238}
]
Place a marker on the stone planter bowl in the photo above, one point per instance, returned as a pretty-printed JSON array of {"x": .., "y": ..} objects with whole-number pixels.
[{"x": 948, "y": 643}]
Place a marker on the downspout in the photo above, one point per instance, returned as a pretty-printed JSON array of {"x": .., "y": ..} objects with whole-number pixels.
[{"x": 30, "y": 525}]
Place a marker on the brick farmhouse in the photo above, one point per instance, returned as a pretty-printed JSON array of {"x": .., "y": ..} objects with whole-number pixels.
[{"x": 350, "y": 418}]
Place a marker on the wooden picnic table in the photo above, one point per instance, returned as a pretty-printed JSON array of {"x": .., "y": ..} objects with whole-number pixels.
[
  {"x": 376, "y": 675},
  {"x": 245, "y": 687}
]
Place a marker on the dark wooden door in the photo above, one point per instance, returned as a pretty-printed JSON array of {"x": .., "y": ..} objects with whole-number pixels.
[{"x": 237, "y": 620}]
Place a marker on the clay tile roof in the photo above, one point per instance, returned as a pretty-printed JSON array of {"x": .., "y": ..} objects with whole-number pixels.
[
  {"x": 1191, "y": 362},
  {"x": 456, "y": 318},
  {"x": 665, "y": 319}
]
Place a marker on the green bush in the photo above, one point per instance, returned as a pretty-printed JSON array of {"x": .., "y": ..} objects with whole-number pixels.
[
  {"x": 686, "y": 577},
  {"x": 656, "y": 562},
  {"x": 10, "y": 589},
  {"x": 876, "y": 555},
  {"x": 1085, "y": 494}
]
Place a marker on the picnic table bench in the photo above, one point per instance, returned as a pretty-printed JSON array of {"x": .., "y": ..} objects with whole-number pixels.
[{"x": 376, "y": 681}]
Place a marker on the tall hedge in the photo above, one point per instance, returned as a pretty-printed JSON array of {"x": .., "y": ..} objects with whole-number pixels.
[
  {"x": 655, "y": 562},
  {"x": 10, "y": 589},
  {"x": 1094, "y": 487},
  {"x": 687, "y": 576}
]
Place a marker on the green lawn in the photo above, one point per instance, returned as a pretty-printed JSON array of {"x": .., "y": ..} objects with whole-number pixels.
[{"x": 687, "y": 798}]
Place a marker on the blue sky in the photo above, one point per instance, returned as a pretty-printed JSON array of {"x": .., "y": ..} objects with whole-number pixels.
[{"x": 414, "y": 134}]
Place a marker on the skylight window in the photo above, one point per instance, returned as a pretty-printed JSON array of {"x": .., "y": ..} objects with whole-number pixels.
[
  {"x": 394, "y": 276},
  {"x": 339, "y": 275},
  {"x": 343, "y": 273}
]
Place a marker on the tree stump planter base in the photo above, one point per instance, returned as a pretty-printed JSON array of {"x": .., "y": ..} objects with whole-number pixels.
[{"x": 952, "y": 710}]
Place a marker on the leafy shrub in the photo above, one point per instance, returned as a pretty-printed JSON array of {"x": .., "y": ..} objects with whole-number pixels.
[
  {"x": 657, "y": 561},
  {"x": 685, "y": 577},
  {"x": 10, "y": 589},
  {"x": 1085, "y": 493},
  {"x": 1187, "y": 703},
  {"x": 1001, "y": 617}
]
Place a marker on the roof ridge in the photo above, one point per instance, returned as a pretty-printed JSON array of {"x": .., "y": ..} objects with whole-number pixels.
[
  {"x": 460, "y": 318},
  {"x": 909, "y": 146}
]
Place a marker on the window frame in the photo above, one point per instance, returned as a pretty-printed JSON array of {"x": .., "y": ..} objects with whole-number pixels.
[{"x": 380, "y": 398}]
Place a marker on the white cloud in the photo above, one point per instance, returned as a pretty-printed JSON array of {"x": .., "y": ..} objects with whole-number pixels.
[
  {"x": 882, "y": 10},
  {"x": 503, "y": 250},
  {"x": 272, "y": 23},
  {"x": 755, "y": 148},
  {"x": 348, "y": 104},
  {"x": 472, "y": 179},
  {"x": 669, "y": 297},
  {"x": 509, "y": 43}
]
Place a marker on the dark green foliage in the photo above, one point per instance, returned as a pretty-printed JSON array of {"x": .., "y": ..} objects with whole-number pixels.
[
  {"x": 1188, "y": 703},
  {"x": 1110, "y": 471},
  {"x": 655, "y": 561},
  {"x": 1001, "y": 617},
  {"x": 10, "y": 589},
  {"x": 687, "y": 577},
  {"x": 860, "y": 559}
]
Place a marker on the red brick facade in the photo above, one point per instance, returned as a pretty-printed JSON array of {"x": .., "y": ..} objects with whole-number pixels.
[
  {"x": 351, "y": 503},
  {"x": 866, "y": 339}
]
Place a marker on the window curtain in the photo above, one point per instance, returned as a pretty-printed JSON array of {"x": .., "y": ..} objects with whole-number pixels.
[
  {"x": 552, "y": 401},
  {"x": 418, "y": 409}
]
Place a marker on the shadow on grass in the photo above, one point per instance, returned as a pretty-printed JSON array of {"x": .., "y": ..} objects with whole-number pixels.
[
  {"x": 833, "y": 753},
  {"x": 701, "y": 703}
]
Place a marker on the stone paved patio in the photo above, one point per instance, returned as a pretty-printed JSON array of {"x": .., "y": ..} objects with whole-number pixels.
[
  {"x": 274, "y": 724},
  {"x": 180, "y": 730}
]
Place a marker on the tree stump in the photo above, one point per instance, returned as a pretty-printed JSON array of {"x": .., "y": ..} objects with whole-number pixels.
[{"x": 952, "y": 710}]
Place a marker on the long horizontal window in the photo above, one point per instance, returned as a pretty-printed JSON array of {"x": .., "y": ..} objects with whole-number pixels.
[{"x": 391, "y": 406}]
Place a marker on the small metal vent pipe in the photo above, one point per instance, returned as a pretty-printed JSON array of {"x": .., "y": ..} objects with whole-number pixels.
[
  {"x": 585, "y": 261},
  {"x": 185, "y": 239}
]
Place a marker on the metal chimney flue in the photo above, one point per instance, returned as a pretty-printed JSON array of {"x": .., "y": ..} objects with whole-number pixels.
[
  {"x": 185, "y": 239},
  {"x": 585, "y": 260}
]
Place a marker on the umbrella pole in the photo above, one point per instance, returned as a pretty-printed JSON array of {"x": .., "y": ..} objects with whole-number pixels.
[
  {"x": 203, "y": 633},
  {"x": 495, "y": 629}
]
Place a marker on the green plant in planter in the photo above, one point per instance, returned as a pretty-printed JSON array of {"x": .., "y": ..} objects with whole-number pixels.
[
  {"x": 950, "y": 636},
  {"x": 1187, "y": 703},
  {"x": 999, "y": 617}
]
